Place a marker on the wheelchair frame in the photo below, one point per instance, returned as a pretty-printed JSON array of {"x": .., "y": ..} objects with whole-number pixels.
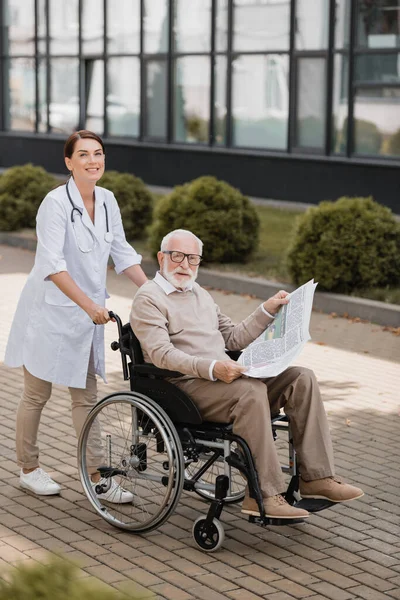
[{"x": 176, "y": 415}]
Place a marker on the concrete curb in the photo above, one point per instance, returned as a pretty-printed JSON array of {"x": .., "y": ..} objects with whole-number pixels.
[{"x": 369, "y": 310}]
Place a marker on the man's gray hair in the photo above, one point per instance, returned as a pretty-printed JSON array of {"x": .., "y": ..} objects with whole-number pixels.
[{"x": 180, "y": 232}]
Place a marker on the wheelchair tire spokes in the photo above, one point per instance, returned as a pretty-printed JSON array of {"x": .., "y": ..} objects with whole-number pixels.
[{"x": 141, "y": 442}]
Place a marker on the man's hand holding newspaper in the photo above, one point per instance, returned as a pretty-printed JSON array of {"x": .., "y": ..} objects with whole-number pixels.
[{"x": 285, "y": 337}]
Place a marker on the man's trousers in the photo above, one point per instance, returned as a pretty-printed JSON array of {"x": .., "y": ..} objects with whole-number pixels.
[{"x": 248, "y": 403}]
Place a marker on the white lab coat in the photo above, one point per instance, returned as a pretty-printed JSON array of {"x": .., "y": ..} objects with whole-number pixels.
[{"x": 51, "y": 335}]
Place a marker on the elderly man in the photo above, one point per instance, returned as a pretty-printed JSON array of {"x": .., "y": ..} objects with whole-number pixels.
[{"x": 181, "y": 328}]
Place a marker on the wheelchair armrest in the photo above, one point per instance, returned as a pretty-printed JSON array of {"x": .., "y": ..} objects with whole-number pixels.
[
  {"x": 233, "y": 354},
  {"x": 151, "y": 371}
]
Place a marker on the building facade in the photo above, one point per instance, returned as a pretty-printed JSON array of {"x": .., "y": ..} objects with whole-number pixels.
[{"x": 286, "y": 99}]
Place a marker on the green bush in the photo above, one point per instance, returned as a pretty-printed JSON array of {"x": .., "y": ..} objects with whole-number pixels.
[
  {"x": 392, "y": 144},
  {"x": 22, "y": 189},
  {"x": 367, "y": 137},
  {"x": 216, "y": 212},
  {"x": 134, "y": 199},
  {"x": 353, "y": 243},
  {"x": 57, "y": 580}
]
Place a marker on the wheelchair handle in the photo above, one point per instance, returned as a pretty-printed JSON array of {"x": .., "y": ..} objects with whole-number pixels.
[{"x": 118, "y": 345}]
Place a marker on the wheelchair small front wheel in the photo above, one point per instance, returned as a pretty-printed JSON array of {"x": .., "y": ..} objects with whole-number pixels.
[{"x": 208, "y": 537}]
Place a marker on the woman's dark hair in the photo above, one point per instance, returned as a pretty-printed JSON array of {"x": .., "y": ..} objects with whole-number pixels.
[{"x": 83, "y": 134}]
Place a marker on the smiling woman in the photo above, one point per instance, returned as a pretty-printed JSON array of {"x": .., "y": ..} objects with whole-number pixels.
[{"x": 53, "y": 336}]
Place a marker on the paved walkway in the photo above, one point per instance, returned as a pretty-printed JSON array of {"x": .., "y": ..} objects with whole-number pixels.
[{"x": 346, "y": 553}]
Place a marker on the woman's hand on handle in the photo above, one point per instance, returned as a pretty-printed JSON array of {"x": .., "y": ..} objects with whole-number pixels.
[{"x": 99, "y": 314}]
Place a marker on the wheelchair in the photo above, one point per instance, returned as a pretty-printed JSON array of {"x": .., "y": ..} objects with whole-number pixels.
[{"x": 156, "y": 445}]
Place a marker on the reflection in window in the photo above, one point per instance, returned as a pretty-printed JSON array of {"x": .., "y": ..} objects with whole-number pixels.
[
  {"x": 192, "y": 26},
  {"x": 220, "y": 100},
  {"x": 192, "y": 99},
  {"x": 260, "y": 104},
  {"x": 155, "y": 25},
  {"x": 342, "y": 23},
  {"x": 64, "y": 27},
  {"x": 377, "y": 121},
  {"x": 156, "y": 99},
  {"x": 95, "y": 96},
  {"x": 311, "y": 103},
  {"x": 92, "y": 27},
  {"x": 378, "y": 67},
  {"x": 261, "y": 26},
  {"x": 312, "y": 24},
  {"x": 378, "y": 23},
  {"x": 19, "y": 26},
  {"x": 22, "y": 102},
  {"x": 340, "y": 105},
  {"x": 64, "y": 98},
  {"x": 123, "y": 26},
  {"x": 221, "y": 26},
  {"x": 123, "y": 98}
]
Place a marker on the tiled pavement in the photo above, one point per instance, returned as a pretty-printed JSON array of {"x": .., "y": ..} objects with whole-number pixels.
[{"x": 349, "y": 552}]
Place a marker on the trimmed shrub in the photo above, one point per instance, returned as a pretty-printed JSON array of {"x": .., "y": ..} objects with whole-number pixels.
[
  {"x": 22, "y": 189},
  {"x": 216, "y": 212},
  {"x": 392, "y": 144},
  {"x": 134, "y": 199},
  {"x": 57, "y": 580},
  {"x": 349, "y": 244}
]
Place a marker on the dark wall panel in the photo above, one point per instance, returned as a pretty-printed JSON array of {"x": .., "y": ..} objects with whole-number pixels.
[{"x": 281, "y": 177}]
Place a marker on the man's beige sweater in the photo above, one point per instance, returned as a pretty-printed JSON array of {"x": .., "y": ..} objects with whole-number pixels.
[{"x": 186, "y": 331}]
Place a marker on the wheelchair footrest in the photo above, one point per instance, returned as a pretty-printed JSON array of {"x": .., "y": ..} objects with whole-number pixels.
[
  {"x": 267, "y": 521},
  {"x": 314, "y": 504}
]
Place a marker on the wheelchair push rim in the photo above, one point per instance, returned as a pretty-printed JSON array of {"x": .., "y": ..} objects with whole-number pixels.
[{"x": 141, "y": 453}]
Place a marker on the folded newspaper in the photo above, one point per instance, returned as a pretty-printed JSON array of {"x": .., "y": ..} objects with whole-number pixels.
[{"x": 284, "y": 338}]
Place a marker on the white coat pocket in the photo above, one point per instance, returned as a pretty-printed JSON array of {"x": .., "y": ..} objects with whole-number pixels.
[{"x": 56, "y": 297}]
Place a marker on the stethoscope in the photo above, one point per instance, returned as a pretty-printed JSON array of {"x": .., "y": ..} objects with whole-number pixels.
[{"x": 108, "y": 236}]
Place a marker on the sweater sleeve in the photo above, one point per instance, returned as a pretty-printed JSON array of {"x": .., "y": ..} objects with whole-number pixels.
[
  {"x": 150, "y": 326},
  {"x": 241, "y": 335}
]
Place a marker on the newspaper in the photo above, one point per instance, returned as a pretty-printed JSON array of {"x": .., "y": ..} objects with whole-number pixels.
[{"x": 284, "y": 338}]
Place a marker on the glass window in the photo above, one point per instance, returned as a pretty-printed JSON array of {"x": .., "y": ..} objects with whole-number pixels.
[
  {"x": 340, "y": 105},
  {"x": 378, "y": 23},
  {"x": 311, "y": 103},
  {"x": 342, "y": 23},
  {"x": 220, "y": 100},
  {"x": 42, "y": 95},
  {"x": 155, "y": 26},
  {"x": 221, "y": 26},
  {"x": 42, "y": 26},
  {"x": 260, "y": 103},
  {"x": 64, "y": 26},
  {"x": 192, "y": 27},
  {"x": 64, "y": 95},
  {"x": 378, "y": 67},
  {"x": 192, "y": 99},
  {"x": 156, "y": 99},
  {"x": 19, "y": 26},
  {"x": 377, "y": 121},
  {"x": 123, "y": 26},
  {"x": 92, "y": 27},
  {"x": 123, "y": 98},
  {"x": 22, "y": 99},
  {"x": 312, "y": 24},
  {"x": 261, "y": 26},
  {"x": 95, "y": 96}
]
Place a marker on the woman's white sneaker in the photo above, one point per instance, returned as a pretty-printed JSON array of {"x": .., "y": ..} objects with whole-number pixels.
[
  {"x": 39, "y": 482},
  {"x": 116, "y": 494}
]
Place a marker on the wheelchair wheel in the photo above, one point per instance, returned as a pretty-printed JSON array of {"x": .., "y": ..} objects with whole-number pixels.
[
  {"x": 139, "y": 452},
  {"x": 208, "y": 538},
  {"x": 218, "y": 466}
]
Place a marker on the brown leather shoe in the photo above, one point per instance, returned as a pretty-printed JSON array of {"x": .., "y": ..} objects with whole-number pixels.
[
  {"x": 329, "y": 488},
  {"x": 276, "y": 507}
]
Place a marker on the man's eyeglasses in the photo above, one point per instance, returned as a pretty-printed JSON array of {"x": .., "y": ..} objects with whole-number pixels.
[{"x": 178, "y": 257}]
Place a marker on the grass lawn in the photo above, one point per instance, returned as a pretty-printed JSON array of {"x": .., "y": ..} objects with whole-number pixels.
[{"x": 269, "y": 260}]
